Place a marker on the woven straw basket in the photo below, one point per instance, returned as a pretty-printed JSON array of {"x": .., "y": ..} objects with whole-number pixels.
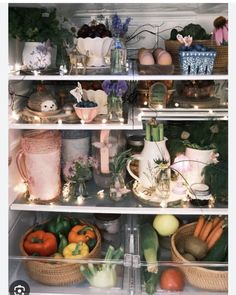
[
  {"x": 56, "y": 273},
  {"x": 221, "y": 60},
  {"x": 199, "y": 277}
]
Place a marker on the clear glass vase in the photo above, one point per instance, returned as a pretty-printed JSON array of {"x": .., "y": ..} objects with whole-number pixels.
[
  {"x": 117, "y": 188},
  {"x": 114, "y": 108},
  {"x": 163, "y": 185},
  {"x": 80, "y": 188},
  {"x": 118, "y": 56}
]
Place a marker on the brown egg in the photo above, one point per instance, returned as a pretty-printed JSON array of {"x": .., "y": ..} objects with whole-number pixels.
[
  {"x": 164, "y": 58},
  {"x": 156, "y": 53},
  {"x": 142, "y": 51},
  {"x": 147, "y": 59}
]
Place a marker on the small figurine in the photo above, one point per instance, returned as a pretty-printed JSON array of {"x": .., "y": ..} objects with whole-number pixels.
[
  {"x": 75, "y": 58},
  {"x": 220, "y": 33},
  {"x": 42, "y": 100},
  {"x": 77, "y": 92}
]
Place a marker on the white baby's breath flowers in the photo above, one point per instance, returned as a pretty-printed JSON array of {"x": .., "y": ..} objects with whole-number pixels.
[{"x": 184, "y": 135}]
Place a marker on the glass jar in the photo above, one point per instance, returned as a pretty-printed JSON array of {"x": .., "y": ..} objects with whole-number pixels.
[
  {"x": 105, "y": 145},
  {"x": 135, "y": 143},
  {"x": 118, "y": 56},
  {"x": 110, "y": 227}
]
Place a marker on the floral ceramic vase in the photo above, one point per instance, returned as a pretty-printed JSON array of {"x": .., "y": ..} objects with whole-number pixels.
[{"x": 36, "y": 55}]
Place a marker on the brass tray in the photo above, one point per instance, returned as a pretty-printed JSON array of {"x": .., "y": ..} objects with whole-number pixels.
[{"x": 150, "y": 198}]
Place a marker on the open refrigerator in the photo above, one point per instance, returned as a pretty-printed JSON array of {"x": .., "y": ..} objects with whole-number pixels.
[{"x": 152, "y": 22}]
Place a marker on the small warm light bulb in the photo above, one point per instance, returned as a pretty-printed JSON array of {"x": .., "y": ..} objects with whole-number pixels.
[
  {"x": 59, "y": 121},
  {"x": 176, "y": 104},
  {"x": 225, "y": 118},
  {"x": 145, "y": 103},
  {"x": 195, "y": 107},
  {"x": 210, "y": 112},
  {"x": 20, "y": 188},
  {"x": 100, "y": 194},
  {"x": 15, "y": 116},
  {"x": 104, "y": 121},
  {"x": 80, "y": 200},
  {"x": 122, "y": 120},
  {"x": 17, "y": 67},
  {"x": 160, "y": 106},
  {"x": 82, "y": 122}
]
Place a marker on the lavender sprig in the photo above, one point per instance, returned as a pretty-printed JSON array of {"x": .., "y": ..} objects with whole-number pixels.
[
  {"x": 116, "y": 88},
  {"x": 117, "y": 27}
]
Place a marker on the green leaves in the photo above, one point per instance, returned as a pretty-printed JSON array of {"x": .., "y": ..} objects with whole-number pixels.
[{"x": 120, "y": 161}]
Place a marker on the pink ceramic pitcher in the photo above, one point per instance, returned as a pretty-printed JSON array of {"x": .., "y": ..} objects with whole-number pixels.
[{"x": 38, "y": 162}]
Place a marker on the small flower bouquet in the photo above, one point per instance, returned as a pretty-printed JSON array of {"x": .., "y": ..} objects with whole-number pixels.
[
  {"x": 80, "y": 168},
  {"x": 115, "y": 90}
]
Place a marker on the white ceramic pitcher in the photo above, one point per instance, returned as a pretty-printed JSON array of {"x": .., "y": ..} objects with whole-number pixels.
[
  {"x": 153, "y": 150},
  {"x": 198, "y": 160}
]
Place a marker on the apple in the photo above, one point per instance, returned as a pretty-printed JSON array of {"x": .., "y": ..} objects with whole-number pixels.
[{"x": 165, "y": 224}]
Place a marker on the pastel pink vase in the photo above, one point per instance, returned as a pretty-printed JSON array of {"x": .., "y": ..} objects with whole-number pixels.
[{"x": 38, "y": 162}]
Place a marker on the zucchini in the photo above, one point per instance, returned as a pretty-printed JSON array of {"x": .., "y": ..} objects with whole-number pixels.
[
  {"x": 150, "y": 245},
  {"x": 219, "y": 250}
]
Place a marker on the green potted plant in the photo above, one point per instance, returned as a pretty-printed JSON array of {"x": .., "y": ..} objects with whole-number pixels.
[{"x": 40, "y": 30}]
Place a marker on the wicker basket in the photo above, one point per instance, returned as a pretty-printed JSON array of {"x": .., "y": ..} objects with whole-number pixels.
[
  {"x": 199, "y": 277},
  {"x": 56, "y": 273},
  {"x": 221, "y": 60}
]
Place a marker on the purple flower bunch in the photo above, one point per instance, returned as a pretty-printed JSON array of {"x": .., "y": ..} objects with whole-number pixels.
[
  {"x": 117, "y": 27},
  {"x": 115, "y": 88}
]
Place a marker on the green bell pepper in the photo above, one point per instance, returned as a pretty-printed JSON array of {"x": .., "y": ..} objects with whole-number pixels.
[
  {"x": 62, "y": 244},
  {"x": 59, "y": 225}
]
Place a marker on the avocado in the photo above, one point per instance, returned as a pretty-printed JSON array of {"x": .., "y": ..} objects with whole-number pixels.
[{"x": 196, "y": 247}]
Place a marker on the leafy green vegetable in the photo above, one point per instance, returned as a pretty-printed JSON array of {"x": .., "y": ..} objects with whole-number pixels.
[{"x": 194, "y": 30}]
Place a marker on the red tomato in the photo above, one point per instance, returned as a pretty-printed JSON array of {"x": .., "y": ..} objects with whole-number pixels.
[{"x": 172, "y": 279}]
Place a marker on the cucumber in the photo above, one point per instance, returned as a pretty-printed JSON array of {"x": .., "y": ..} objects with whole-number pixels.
[{"x": 219, "y": 250}]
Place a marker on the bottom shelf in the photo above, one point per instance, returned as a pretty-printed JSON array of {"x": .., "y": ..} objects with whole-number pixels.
[
  {"x": 129, "y": 269},
  {"x": 18, "y": 272}
]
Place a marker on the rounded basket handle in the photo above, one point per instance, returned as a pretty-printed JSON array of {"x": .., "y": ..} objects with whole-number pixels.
[
  {"x": 20, "y": 162},
  {"x": 134, "y": 157}
]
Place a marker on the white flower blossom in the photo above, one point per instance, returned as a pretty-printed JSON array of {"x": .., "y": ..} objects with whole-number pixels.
[
  {"x": 214, "y": 129},
  {"x": 184, "y": 135}
]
